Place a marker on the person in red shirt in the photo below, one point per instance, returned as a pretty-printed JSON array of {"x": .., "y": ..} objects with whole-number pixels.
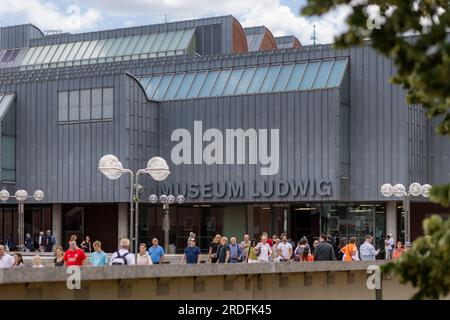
[{"x": 74, "y": 256}]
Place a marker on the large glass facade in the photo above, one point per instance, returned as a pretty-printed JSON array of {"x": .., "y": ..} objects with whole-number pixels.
[
  {"x": 249, "y": 80},
  {"x": 7, "y": 138},
  {"x": 345, "y": 220},
  {"x": 36, "y": 219}
]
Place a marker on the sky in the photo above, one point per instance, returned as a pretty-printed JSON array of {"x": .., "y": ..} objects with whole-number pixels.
[{"x": 280, "y": 16}]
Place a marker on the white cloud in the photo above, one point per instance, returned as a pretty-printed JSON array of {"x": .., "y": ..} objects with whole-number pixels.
[{"x": 47, "y": 16}]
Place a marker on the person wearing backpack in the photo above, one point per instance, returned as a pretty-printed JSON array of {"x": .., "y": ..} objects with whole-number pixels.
[{"x": 123, "y": 256}]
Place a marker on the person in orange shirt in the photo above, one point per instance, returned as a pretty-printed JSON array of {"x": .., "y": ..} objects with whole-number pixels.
[
  {"x": 306, "y": 256},
  {"x": 350, "y": 251},
  {"x": 398, "y": 251}
]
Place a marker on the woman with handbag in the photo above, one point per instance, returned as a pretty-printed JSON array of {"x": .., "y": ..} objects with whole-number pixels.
[{"x": 214, "y": 249}]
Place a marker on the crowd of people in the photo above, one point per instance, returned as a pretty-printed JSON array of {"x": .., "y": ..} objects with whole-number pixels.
[{"x": 221, "y": 250}]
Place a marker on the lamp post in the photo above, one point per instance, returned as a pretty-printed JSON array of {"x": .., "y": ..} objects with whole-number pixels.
[
  {"x": 113, "y": 169},
  {"x": 399, "y": 190},
  {"x": 166, "y": 200},
  {"x": 21, "y": 196}
]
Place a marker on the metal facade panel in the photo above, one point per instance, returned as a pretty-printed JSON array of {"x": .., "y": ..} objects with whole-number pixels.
[{"x": 380, "y": 126}]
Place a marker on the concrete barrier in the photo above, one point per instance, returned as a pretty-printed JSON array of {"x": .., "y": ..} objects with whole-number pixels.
[{"x": 296, "y": 280}]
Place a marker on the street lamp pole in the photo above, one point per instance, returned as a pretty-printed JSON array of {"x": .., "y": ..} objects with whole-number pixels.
[
  {"x": 399, "y": 190},
  {"x": 21, "y": 196},
  {"x": 113, "y": 169},
  {"x": 166, "y": 200}
]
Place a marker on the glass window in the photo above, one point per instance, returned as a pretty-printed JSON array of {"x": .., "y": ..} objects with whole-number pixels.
[
  {"x": 66, "y": 52},
  {"x": 108, "y": 105},
  {"x": 336, "y": 73},
  {"x": 74, "y": 51},
  {"x": 85, "y": 104},
  {"x": 82, "y": 50},
  {"x": 139, "y": 44},
  {"x": 144, "y": 82},
  {"x": 270, "y": 78},
  {"x": 89, "y": 50},
  {"x": 58, "y": 53},
  {"x": 123, "y": 46},
  {"x": 152, "y": 85},
  {"x": 130, "y": 47},
  {"x": 148, "y": 43},
  {"x": 232, "y": 82},
  {"x": 322, "y": 74},
  {"x": 310, "y": 74},
  {"x": 208, "y": 83},
  {"x": 162, "y": 87},
  {"x": 96, "y": 104},
  {"x": 283, "y": 77},
  {"x": 246, "y": 78},
  {"x": 35, "y": 55},
  {"x": 114, "y": 47},
  {"x": 175, "y": 40},
  {"x": 185, "y": 85},
  {"x": 185, "y": 39},
  {"x": 173, "y": 87},
  {"x": 42, "y": 55},
  {"x": 220, "y": 82},
  {"x": 63, "y": 106},
  {"x": 257, "y": 80},
  {"x": 96, "y": 51},
  {"x": 196, "y": 84},
  {"x": 28, "y": 56},
  {"x": 167, "y": 40},
  {"x": 74, "y": 105},
  {"x": 50, "y": 54},
  {"x": 8, "y": 159},
  {"x": 296, "y": 77},
  {"x": 157, "y": 42},
  {"x": 104, "y": 51}
]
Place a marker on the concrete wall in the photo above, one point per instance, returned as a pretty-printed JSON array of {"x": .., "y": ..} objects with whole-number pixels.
[{"x": 319, "y": 280}]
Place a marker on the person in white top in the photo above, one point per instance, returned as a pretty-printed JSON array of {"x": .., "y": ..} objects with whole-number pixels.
[
  {"x": 143, "y": 258},
  {"x": 263, "y": 250},
  {"x": 284, "y": 250},
  {"x": 6, "y": 260},
  {"x": 123, "y": 256},
  {"x": 37, "y": 262}
]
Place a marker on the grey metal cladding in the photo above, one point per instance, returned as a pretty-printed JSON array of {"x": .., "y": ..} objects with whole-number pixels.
[
  {"x": 384, "y": 131},
  {"x": 61, "y": 159},
  {"x": 308, "y": 132},
  {"x": 18, "y": 36}
]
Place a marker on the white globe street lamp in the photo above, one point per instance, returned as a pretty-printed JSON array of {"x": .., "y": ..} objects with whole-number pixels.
[
  {"x": 166, "y": 200},
  {"x": 399, "y": 190},
  {"x": 110, "y": 166},
  {"x": 21, "y": 196}
]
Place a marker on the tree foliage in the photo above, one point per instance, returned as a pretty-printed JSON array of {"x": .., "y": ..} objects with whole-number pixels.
[
  {"x": 427, "y": 264},
  {"x": 415, "y": 34}
]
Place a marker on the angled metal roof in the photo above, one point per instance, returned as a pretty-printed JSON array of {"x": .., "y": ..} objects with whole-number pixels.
[
  {"x": 286, "y": 42},
  {"x": 256, "y": 37}
]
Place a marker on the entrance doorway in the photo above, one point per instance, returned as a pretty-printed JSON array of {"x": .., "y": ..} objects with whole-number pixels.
[{"x": 305, "y": 221}]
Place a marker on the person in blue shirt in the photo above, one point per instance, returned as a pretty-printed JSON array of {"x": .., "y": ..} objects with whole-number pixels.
[
  {"x": 98, "y": 257},
  {"x": 235, "y": 251},
  {"x": 191, "y": 253},
  {"x": 156, "y": 252}
]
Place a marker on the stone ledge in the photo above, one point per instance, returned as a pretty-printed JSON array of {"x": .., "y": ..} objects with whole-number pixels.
[{"x": 89, "y": 273}]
